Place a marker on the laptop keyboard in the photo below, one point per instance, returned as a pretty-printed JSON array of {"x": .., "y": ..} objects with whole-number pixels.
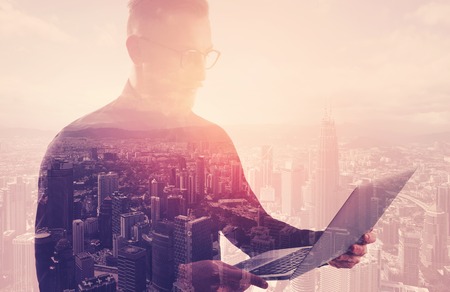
[{"x": 284, "y": 264}]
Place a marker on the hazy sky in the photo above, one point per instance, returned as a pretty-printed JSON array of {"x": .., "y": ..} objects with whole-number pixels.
[{"x": 282, "y": 61}]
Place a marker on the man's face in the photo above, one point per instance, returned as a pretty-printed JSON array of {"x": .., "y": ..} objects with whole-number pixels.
[{"x": 163, "y": 73}]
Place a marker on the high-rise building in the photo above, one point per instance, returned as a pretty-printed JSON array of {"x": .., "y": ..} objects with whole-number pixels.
[
  {"x": 105, "y": 222},
  {"x": 434, "y": 251},
  {"x": 91, "y": 226},
  {"x": 139, "y": 230},
  {"x": 24, "y": 263},
  {"x": 131, "y": 269},
  {"x": 306, "y": 282},
  {"x": 155, "y": 210},
  {"x": 215, "y": 180},
  {"x": 332, "y": 279},
  {"x": 59, "y": 213},
  {"x": 236, "y": 177},
  {"x": 443, "y": 200},
  {"x": 156, "y": 188},
  {"x": 120, "y": 205},
  {"x": 266, "y": 165},
  {"x": 127, "y": 221},
  {"x": 200, "y": 178},
  {"x": 45, "y": 242},
  {"x": 176, "y": 205},
  {"x": 78, "y": 236},
  {"x": 191, "y": 183},
  {"x": 292, "y": 179},
  {"x": 192, "y": 240},
  {"x": 63, "y": 266},
  {"x": 15, "y": 200},
  {"x": 84, "y": 267},
  {"x": 108, "y": 183},
  {"x": 163, "y": 257},
  {"x": 326, "y": 201},
  {"x": 408, "y": 256}
]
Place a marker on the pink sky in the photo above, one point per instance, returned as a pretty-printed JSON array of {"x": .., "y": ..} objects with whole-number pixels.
[{"x": 282, "y": 61}]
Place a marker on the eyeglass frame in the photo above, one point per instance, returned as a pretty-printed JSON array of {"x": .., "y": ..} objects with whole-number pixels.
[{"x": 183, "y": 52}]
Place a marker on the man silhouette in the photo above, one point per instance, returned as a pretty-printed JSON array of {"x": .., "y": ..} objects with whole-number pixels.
[{"x": 150, "y": 134}]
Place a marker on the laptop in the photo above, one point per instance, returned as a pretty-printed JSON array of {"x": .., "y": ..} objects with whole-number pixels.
[{"x": 360, "y": 212}]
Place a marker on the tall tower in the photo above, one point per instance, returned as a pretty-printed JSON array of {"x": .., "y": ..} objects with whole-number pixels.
[
  {"x": 15, "y": 197},
  {"x": 326, "y": 199},
  {"x": 236, "y": 177},
  {"x": 120, "y": 205},
  {"x": 84, "y": 266},
  {"x": 127, "y": 221},
  {"x": 78, "y": 236},
  {"x": 292, "y": 179},
  {"x": 434, "y": 251},
  {"x": 408, "y": 255},
  {"x": 60, "y": 195},
  {"x": 192, "y": 240},
  {"x": 443, "y": 201},
  {"x": 155, "y": 210},
  {"x": 24, "y": 262},
  {"x": 108, "y": 183},
  {"x": 105, "y": 222},
  {"x": 162, "y": 257},
  {"x": 200, "y": 175},
  {"x": 267, "y": 165},
  {"x": 131, "y": 269}
]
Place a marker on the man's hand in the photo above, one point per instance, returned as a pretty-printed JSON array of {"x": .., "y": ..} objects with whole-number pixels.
[
  {"x": 218, "y": 276},
  {"x": 349, "y": 259}
]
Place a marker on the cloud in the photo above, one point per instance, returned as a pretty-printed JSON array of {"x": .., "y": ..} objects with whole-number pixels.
[
  {"x": 14, "y": 22},
  {"x": 432, "y": 13}
]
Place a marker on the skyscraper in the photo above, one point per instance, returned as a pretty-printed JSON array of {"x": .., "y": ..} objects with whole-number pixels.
[
  {"x": 292, "y": 179},
  {"x": 163, "y": 257},
  {"x": 443, "y": 200},
  {"x": 15, "y": 197},
  {"x": 131, "y": 269},
  {"x": 192, "y": 240},
  {"x": 155, "y": 210},
  {"x": 200, "y": 178},
  {"x": 105, "y": 222},
  {"x": 78, "y": 236},
  {"x": 120, "y": 205},
  {"x": 326, "y": 202},
  {"x": 408, "y": 256},
  {"x": 434, "y": 251},
  {"x": 84, "y": 267},
  {"x": 127, "y": 221},
  {"x": 267, "y": 165},
  {"x": 108, "y": 183},
  {"x": 236, "y": 177},
  {"x": 24, "y": 263},
  {"x": 60, "y": 193}
]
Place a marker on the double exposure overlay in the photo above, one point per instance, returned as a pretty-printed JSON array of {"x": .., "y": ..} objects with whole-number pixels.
[{"x": 193, "y": 145}]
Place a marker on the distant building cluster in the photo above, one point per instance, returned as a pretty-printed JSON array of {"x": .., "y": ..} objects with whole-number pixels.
[{"x": 126, "y": 215}]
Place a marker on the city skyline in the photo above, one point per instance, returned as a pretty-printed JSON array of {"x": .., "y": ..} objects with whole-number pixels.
[{"x": 413, "y": 199}]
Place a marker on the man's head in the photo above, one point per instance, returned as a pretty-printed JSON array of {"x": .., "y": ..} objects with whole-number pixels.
[{"x": 167, "y": 42}]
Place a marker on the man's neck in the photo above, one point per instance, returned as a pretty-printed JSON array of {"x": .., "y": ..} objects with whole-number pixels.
[{"x": 166, "y": 103}]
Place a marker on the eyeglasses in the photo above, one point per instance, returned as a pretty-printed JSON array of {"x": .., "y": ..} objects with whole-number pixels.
[{"x": 191, "y": 57}]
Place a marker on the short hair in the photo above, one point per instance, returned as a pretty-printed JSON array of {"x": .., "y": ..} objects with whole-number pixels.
[{"x": 141, "y": 11}]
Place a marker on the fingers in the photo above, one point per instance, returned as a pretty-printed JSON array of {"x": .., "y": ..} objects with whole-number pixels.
[
  {"x": 369, "y": 237},
  {"x": 245, "y": 278},
  {"x": 345, "y": 261},
  {"x": 258, "y": 281},
  {"x": 358, "y": 250}
]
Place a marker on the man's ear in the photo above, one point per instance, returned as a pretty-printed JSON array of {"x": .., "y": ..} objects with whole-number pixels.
[{"x": 135, "y": 50}]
